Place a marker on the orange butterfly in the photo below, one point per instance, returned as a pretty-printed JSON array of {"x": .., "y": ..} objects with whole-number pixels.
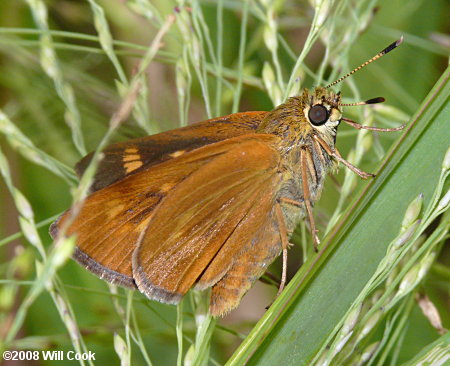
[{"x": 211, "y": 204}]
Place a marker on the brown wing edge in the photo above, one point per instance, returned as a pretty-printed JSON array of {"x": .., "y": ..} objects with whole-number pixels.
[
  {"x": 102, "y": 272},
  {"x": 146, "y": 287}
]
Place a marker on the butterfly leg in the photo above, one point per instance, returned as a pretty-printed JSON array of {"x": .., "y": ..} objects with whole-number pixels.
[
  {"x": 335, "y": 153},
  {"x": 305, "y": 158},
  {"x": 284, "y": 244},
  {"x": 307, "y": 197},
  {"x": 315, "y": 238}
]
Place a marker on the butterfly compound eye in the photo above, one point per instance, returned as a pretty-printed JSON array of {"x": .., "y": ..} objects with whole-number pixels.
[{"x": 318, "y": 115}]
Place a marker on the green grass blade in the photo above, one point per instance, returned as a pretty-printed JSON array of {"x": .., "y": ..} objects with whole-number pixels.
[
  {"x": 436, "y": 353},
  {"x": 299, "y": 322}
]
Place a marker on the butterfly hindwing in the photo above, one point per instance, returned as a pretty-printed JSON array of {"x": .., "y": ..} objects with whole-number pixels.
[
  {"x": 250, "y": 264},
  {"x": 197, "y": 221}
]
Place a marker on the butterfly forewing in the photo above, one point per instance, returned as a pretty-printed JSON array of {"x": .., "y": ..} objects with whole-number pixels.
[{"x": 133, "y": 156}]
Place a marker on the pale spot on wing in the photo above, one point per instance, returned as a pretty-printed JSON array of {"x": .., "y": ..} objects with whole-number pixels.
[
  {"x": 131, "y": 150},
  {"x": 133, "y": 165},
  {"x": 115, "y": 209},
  {"x": 143, "y": 224},
  {"x": 131, "y": 157},
  {"x": 166, "y": 187},
  {"x": 177, "y": 153}
]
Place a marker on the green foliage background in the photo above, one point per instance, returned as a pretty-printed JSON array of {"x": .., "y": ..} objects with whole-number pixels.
[{"x": 205, "y": 67}]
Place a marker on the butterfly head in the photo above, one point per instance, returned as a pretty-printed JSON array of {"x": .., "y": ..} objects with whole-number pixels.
[
  {"x": 323, "y": 111},
  {"x": 317, "y": 111}
]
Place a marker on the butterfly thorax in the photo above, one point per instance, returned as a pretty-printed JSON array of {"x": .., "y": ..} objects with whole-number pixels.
[{"x": 298, "y": 123}]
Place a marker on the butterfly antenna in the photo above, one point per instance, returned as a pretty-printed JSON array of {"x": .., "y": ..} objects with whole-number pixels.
[
  {"x": 369, "y": 101},
  {"x": 376, "y": 57}
]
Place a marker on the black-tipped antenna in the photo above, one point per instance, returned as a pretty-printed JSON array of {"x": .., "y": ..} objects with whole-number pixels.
[
  {"x": 369, "y": 101},
  {"x": 376, "y": 57}
]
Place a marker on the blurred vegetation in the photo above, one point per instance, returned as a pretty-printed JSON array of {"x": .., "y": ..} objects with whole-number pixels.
[{"x": 218, "y": 57}]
